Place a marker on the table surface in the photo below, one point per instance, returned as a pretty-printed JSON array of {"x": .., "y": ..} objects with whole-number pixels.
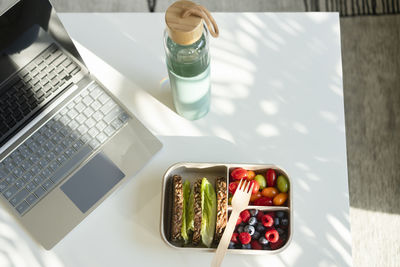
[{"x": 277, "y": 98}]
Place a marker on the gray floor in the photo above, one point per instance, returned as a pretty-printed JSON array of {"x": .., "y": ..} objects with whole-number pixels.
[{"x": 371, "y": 68}]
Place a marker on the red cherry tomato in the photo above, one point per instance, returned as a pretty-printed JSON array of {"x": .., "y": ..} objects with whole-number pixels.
[
  {"x": 256, "y": 186},
  {"x": 264, "y": 201},
  {"x": 271, "y": 177},
  {"x": 239, "y": 173},
  {"x": 232, "y": 187}
]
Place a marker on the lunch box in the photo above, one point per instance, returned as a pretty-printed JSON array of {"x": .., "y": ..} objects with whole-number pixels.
[{"x": 191, "y": 171}]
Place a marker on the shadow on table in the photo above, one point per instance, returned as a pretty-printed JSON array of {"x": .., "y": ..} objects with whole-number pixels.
[{"x": 18, "y": 249}]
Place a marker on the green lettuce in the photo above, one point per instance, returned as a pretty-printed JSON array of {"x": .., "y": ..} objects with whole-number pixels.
[
  {"x": 190, "y": 213},
  {"x": 185, "y": 215},
  {"x": 209, "y": 212}
]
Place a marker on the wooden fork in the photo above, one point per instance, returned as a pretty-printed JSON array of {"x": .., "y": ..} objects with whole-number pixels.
[{"x": 240, "y": 201}]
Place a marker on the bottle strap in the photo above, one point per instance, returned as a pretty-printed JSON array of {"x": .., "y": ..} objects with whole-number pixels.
[{"x": 202, "y": 12}]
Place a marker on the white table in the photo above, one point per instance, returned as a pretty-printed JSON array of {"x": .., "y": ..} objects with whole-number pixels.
[{"x": 276, "y": 98}]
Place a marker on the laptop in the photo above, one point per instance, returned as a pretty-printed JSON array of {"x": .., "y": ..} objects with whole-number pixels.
[{"x": 66, "y": 142}]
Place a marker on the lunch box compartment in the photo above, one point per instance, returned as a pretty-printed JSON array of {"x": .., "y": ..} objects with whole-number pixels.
[{"x": 191, "y": 171}]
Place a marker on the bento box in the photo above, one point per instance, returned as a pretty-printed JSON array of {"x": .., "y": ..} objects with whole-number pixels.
[{"x": 190, "y": 189}]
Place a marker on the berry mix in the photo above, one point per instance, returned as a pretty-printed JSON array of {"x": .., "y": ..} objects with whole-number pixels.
[
  {"x": 262, "y": 230},
  {"x": 270, "y": 188}
]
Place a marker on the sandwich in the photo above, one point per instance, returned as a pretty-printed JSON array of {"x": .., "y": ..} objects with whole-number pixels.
[{"x": 198, "y": 213}]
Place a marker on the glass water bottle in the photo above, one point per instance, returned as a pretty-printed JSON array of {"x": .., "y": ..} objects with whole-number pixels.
[{"x": 186, "y": 44}]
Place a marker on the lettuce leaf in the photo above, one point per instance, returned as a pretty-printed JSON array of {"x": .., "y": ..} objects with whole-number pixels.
[
  {"x": 186, "y": 193},
  {"x": 209, "y": 212},
  {"x": 190, "y": 213}
]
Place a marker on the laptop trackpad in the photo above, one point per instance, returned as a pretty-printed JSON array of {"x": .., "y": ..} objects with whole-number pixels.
[{"x": 92, "y": 182}]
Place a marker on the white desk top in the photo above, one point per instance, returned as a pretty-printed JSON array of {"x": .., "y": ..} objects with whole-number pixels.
[{"x": 277, "y": 97}]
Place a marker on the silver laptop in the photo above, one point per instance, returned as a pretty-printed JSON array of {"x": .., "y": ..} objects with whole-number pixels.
[{"x": 65, "y": 141}]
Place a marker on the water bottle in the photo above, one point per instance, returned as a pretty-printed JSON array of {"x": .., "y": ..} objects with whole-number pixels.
[{"x": 186, "y": 43}]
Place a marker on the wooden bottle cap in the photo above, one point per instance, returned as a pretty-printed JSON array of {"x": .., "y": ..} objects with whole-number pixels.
[{"x": 183, "y": 31}]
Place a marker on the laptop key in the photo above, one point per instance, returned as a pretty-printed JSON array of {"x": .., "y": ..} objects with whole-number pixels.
[
  {"x": 71, "y": 164},
  {"x": 10, "y": 192},
  {"x": 19, "y": 197},
  {"x": 31, "y": 186},
  {"x": 48, "y": 185},
  {"x": 39, "y": 192},
  {"x": 3, "y": 185},
  {"x": 38, "y": 179},
  {"x": 21, "y": 208},
  {"x": 27, "y": 176},
  {"x": 31, "y": 199},
  {"x": 11, "y": 179},
  {"x": 20, "y": 183}
]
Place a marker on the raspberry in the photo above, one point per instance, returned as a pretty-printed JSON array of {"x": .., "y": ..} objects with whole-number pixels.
[
  {"x": 239, "y": 221},
  {"x": 244, "y": 238},
  {"x": 245, "y": 215},
  {"x": 278, "y": 244},
  {"x": 272, "y": 236},
  {"x": 234, "y": 238},
  {"x": 260, "y": 214},
  {"x": 272, "y": 214},
  {"x": 267, "y": 220},
  {"x": 255, "y": 245}
]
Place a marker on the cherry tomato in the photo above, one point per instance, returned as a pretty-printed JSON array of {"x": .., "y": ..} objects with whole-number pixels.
[
  {"x": 239, "y": 173},
  {"x": 269, "y": 192},
  {"x": 280, "y": 199},
  {"x": 255, "y": 196},
  {"x": 263, "y": 201},
  {"x": 256, "y": 186},
  {"x": 232, "y": 187},
  {"x": 271, "y": 177},
  {"x": 250, "y": 175}
]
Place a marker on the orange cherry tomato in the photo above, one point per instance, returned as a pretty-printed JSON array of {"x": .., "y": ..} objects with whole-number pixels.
[
  {"x": 280, "y": 199},
  {"x": 269, "y": 192},
  {"x": 255, "y": 196},
  {"x": 250, "y": 175}
]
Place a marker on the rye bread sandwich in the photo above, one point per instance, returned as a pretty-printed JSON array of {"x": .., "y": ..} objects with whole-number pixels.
[{"x": 198, "y": 213}]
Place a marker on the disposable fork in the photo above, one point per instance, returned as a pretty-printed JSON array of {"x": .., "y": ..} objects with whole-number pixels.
[{"x": 240, "y": 201}]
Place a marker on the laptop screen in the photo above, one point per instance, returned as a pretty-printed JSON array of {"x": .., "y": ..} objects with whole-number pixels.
[{"x": 28, "y": 29}]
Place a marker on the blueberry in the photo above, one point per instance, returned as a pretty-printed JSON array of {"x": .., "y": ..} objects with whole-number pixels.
[
  {"x": 280, "y": 231},
  {"x": 260, "y": 228},
  {"x": 263, "y": 241},
  {"x": 249, "y": 229},
  {"x": 247, "y": 246},
  {"x": 276, "y": 221},
  {"x": 285, "y": 222},
  {"x": 238, "y": 246},
  {"x": 256, "y": 235},
  {"x": 266, "y": 247},
  {"x": 240, "y": 229},
  {"x": 231, "y": 245},
  {"x": 253, "y": 212},
  {"x": 280, "y": 214},
  {"x": 252, "y": 221}
]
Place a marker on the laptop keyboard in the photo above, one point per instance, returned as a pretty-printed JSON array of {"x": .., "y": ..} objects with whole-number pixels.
[
  {"x": 61, "y": 144},
  {"x": 33, "y": 87}
]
